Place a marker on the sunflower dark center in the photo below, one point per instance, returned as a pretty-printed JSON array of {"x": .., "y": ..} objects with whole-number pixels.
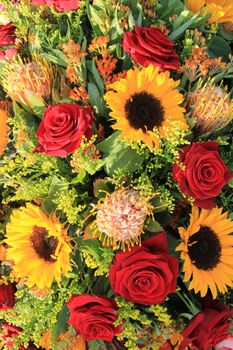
[
  {"x": 144, "y": 111},
  {"x": 204, "y": 249},
  {"x": 43, "y": 244}
]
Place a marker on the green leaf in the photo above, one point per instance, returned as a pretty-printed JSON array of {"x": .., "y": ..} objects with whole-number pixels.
[
  {"x": 97, "y": 77},
  {"x": 118, "y": 155},
  {"x": 57, "y": 57},
  {"x": 100, "y": 188},
  {"x": 36, "y": 103},
  {"x": 226, "y": 35},
  {"x": 115, "y": 23},
  {"x": 62, "y": 324},
  {"x": 112, "y": 140},
  {"x": 175, "y": 34},
  {"x": 218, "y": 47},
  {"x": 55, "y": 187},
  {"x": 96, "y": 99},
  {"x": 96, "y": 345},
  {"x": 24, "y": 117},
  {"x": 95, "y": 17},
  {"x": 153, "y": 226},
  {"x": 79, "y": 178}
]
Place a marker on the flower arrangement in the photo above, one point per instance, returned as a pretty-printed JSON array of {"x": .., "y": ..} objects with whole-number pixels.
[{"x": 116, "y": 175}]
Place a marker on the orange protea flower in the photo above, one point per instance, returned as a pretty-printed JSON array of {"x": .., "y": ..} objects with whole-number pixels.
[
  {"x": 211, "y": 107},
  {"x": 120, "y": 218},
  {"x": 3, "y": 130},
  {"x": 207, "y": 251},
  {"x": 29, "y": 82},
  {"x": 146, "y": 107},
  {"x": 220, "y": 10}
]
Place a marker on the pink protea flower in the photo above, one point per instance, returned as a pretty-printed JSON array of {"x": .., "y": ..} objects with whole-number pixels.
[{"x": 120, "y": 217}]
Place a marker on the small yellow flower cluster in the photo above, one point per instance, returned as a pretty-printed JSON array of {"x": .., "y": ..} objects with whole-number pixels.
[{"x": 161, "y": 313}]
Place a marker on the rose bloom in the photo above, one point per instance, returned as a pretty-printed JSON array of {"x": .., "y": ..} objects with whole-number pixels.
[
  {"x": 204, "y": 173},
  {"x": 146, "y": 274},
  {"x": 207, "y": 329},
  {"x": 62, "y": 129},
  {"x": 60, "y": 5},
  {"x": 150, "y": 46},
  {"x": 7, "y": 38},
  {"x": 93, "y": 317},
  {"x": 9, "y": 334},
  {"x": 7, "y": 296}
]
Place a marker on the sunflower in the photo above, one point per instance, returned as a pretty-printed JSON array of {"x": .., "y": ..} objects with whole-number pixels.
[
  {"x": 207, "y": 251},
  {"x": 38, "y": 245},
  {"x": 145, "y": 106},
  {"x": 221, "y": 10}
]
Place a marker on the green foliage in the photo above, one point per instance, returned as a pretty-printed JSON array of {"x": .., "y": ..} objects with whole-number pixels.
[
  {"x": 117, "y": 155},
  {"x": 37, "y": 315}
]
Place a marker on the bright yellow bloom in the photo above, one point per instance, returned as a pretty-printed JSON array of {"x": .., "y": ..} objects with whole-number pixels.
[
  {"x": 38, "y": 245},
  {"x": 221, "y": 10},
  {"x": 207, "y": 251},
  {"x": 145, "y": 106}
]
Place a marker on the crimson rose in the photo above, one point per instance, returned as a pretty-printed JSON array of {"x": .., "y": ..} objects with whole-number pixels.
[
  {"x": 204, "y": 173},
  {"x": 7, "y": 38},
  {"x": 145, "y": 274},
  {"x": 207, "y": 329},
  {"x": 7, "y": 296},
  {"x": 150, "y": 46},
  {"x": 62, "y": 128},
  {"x": 93, "y": 317}
]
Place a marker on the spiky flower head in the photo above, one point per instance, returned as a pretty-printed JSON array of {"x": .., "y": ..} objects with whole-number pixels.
[
  {"x": 30, "y": 83},
  {"x": 120, "y": 217},
  {"x": 211, "y": 107}
]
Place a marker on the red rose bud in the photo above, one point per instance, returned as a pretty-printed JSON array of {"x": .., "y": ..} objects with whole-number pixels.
[
  {"x": 62, "y": 129},
  {"x": 204, "y": 173},
  {"x": 146, "y": 274},
  {"x": 150, "y": 46},
  {"x": 7, "y": 38},
  {"x": 7, "y": 296},
  {"x": 93, "y": 317},
  {"x": 207, "y": 329}
]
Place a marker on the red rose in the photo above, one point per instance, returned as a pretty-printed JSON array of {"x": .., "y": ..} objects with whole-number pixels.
[
  {"x": 7, "y": 296},
  {"x": 207, "y": 329},
  {"x": 7, "y": 37},
  {"x": 204, "y": 173},
  {"x": 150, "y": 46},
  {"x": 62, "y": 128},
  {"x": 93, "y": 317},
  {"x": 145, "y": 274},
  {"x": 60, "y": 5}
]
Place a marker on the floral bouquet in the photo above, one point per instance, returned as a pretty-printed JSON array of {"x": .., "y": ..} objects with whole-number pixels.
[{"x": 116, "y": 174}]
